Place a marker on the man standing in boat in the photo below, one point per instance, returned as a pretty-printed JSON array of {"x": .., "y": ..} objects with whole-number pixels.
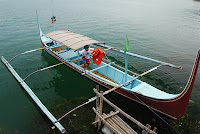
[{"x": 85, "y": 53}]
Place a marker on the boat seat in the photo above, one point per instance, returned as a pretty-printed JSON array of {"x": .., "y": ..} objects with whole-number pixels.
[
  {"x": 76, "y": 59},
  {"x": 58, "y": 48},
  {"x": 101, "y": 75}
]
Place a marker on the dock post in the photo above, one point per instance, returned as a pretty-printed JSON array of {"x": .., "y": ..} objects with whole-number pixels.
[
  {"x": 97, "y": 104},
  {"x": 100, "y": 110},
  {"x": 149, "y": 127},
  {"x": 154, "y": 129}
]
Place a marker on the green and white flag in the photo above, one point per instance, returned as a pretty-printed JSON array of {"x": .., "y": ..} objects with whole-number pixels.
[{"x": 126, "y": 45}]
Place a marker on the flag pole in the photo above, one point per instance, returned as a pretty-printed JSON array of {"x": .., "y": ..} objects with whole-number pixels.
[
  {"x": 126, "y": 57},
  {"x": 126, "y": 66}
]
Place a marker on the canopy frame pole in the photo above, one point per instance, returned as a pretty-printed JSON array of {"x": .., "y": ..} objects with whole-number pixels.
[{"x": 33, "y": 96}]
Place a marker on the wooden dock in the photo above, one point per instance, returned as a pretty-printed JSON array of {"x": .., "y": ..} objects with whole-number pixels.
[{"x": 112, "y": 121}]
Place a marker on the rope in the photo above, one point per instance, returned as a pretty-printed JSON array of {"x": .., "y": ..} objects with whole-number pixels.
[{"x": 155, "y": 113}]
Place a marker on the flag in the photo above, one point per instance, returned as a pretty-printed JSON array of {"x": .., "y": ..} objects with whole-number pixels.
[{"x": 126, "y": 45}]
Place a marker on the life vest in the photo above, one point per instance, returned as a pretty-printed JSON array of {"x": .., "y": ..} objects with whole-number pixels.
[{"x": 98, "y": 54}]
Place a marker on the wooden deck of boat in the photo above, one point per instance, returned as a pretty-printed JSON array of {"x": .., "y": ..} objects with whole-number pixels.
[{"x": 101, "y": 75}]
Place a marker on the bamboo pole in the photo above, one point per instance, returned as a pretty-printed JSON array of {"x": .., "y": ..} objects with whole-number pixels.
[
  {"x": 108, "y": 91},
  {"x": 120, "y": 125},
  {"x": 125, "y": 125},
  {"x": 107, "y": 116},
  {"x": 97, "y": 105},
  {"x": 113, "y": 123},
  {"x": 125, "y": 114},
  {"x": 100, "y": 110},
  {"x": 154, "y": 129},
  {"x": 33, "y": 96},
  {"x": 106, "y": 123},
  {"x": 148, "y": 126}
]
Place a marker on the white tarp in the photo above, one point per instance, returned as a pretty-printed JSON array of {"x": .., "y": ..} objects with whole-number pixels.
[{"x": 70, "y": 39}]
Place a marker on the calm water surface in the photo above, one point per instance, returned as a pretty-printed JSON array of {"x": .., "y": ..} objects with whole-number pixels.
[{"x": 165, "y": 30}]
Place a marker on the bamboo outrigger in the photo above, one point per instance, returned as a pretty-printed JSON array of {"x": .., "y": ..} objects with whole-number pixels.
[{"x": 33, "y": 96}]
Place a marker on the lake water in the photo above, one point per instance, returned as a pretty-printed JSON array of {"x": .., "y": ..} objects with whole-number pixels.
[{"x": 164, "y": 30}]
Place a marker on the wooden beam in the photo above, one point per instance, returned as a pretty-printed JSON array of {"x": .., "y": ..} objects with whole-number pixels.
[
  {"x": 75, "y": 59},
  {"x": 124, "y": 125},
  {"x": 58, "y": 48},
  {"x": 107, "y": 116},
  {"x": 100, "y": 110},
  {"x": 113, "y": 123},
  {"x": 97, "y": 105},
  {"x": 125, "y": 114},
  {"x": 106, "y": 123}
]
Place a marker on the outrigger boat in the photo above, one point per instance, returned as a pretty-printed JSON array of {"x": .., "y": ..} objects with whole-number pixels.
[{"x": 64, "y": 45}]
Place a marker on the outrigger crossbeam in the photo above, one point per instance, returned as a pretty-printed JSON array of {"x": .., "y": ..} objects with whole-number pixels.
[
  {"x": 137, "y": 56},
  {"x": 33, "y": 96}
]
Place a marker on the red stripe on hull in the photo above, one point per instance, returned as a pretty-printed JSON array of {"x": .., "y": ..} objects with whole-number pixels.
[{"x": 174, "y": 108}]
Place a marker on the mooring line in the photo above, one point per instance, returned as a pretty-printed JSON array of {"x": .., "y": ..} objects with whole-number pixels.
[
  {"x": 25, "y": 53},
  {"x": 108, "y": 91},
  {"x": 156, "y": 113}
]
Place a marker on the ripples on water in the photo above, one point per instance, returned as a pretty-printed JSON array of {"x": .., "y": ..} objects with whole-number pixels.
[{"x": 164, "y": 30}]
